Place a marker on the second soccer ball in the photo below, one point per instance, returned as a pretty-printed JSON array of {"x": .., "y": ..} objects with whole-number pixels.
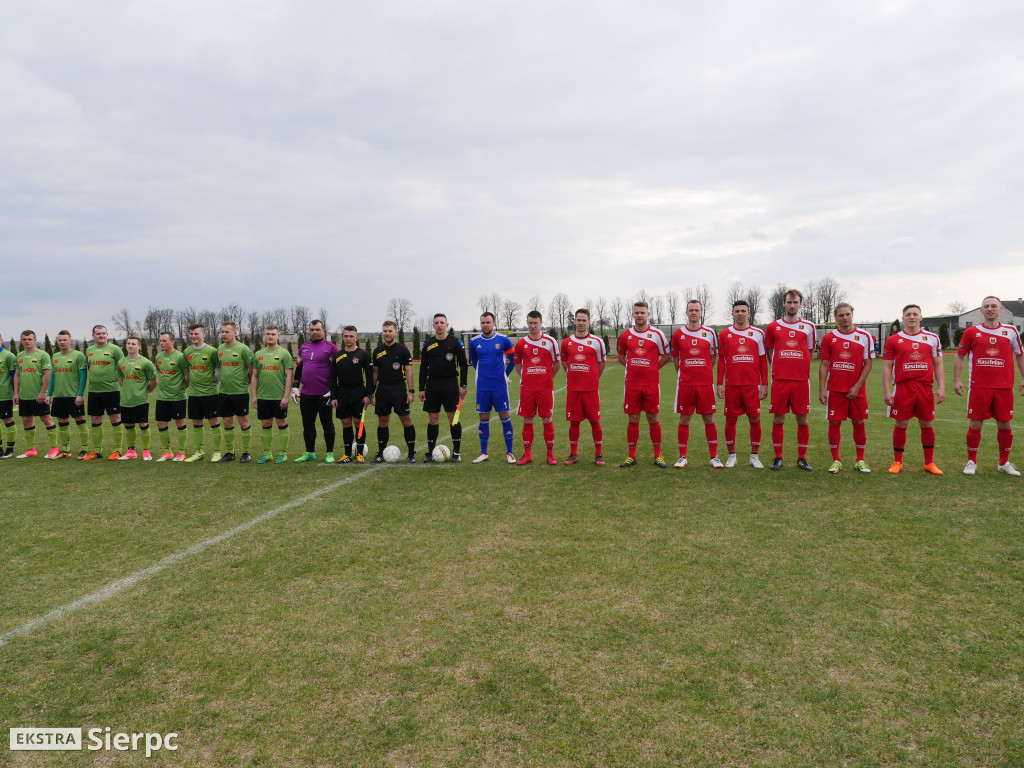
[
  {"x": 392, "y": 454},
  {"x": 441, "y": 454}
]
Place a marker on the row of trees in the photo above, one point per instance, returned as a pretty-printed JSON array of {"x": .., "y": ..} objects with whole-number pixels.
[{"x": 251, "y": 323}]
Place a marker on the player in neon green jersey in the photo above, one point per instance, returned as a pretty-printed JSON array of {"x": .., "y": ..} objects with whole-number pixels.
[
  {"x": 235, "y": 373},
  {"x": 8, "y": 364},
  {"x": 66, "y": 395},
  {"x": 31, "y": 380},
  {"x": 272, "y": 371},
  {"x": 104, "y": 397},
  {"x": 203, "y": 399},
  {"x": 172, "y": 381},
  {"x": 138, "y": 379}
]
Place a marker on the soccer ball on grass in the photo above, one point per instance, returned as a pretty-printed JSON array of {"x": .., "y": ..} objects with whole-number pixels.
[
  {"x": 441, "y": 454},
  {"x": 392, "y": 454}
]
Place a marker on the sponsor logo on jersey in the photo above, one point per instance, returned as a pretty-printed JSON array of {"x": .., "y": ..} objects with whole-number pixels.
[
  {"x": 642, "y": 362},
  {"x": 739, "y": 359},
  {"x": 990, "y": 362}
]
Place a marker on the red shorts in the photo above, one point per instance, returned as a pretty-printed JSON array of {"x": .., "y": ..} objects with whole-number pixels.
[
  {"x": 987, "y": 403},
  {"x": 534, "y": 402},
  {"x": 699, "y": 399},
  {"x": 840, "y": 407},
  {"x": 790, "y": 395},
  {"x": 642, "y": 398},
  {"x": 740, "y": 399},
  {"x": 912, "y": 399},
  {"x": 583, "y": 406}
]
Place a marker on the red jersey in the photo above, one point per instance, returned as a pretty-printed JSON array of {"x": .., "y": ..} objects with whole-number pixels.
[
  {"x": 538, "y": 359},
  {"x": 583, "y": 358},
  {"x": 741, "y": 357},
  {"x": 913, "y": 355},
  {"x": 642, "y": 351},
  {"x": 694, "y": 353},
  {"x": 990, "y": 354},
  {"x": 846, "y": 353},
  {"x": 791, "y": 345}
]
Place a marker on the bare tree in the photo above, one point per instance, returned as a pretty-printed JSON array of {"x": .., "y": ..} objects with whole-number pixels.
[
  {"x": 703, "y": 294},
  {"x": 399, "y": 310},
  {"x": 735, "y": 293},
  {"x": 534, "y": 302},
  {"x": 642, "y": 295},
  {"x": 777, "y": 300},
  {"x": 755, "y": 298},
  {"x": 558, "y": 311},
  {"x": 829, "y": 294},
  {"x": 157, "y": 321},
  {"x": 253, "y": 321},
  {"x": 278, "y": 317},
  {"x": 657, "y": 308},
  {"x": 321, "y": 315},
  {"x": 122, "y": 320},
  {"x": 810, "y": 310},
  {"x": 599, "y": 312},
  {"x": 510, "y": 312},
  {"x": 299, "y": 317},
  {"x": 672, "y": 304},
  {"x": 617, "y": 309},
  {"x": 957, "y": 307},
  {"x": 183, "y": 318},
  {"x": 210, "y": 322},
  {"x": 490, "y": 302},
  {"x": 234, "y": 313}
]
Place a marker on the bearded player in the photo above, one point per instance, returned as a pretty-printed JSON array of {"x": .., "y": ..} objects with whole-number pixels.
[
  {"x": 583, "y": 360},
  {"x": 536, "y": 361},
  {"x": 694, "y": 350},
  {"x": 910, "y": 369},
  {"x": 789, "y": 342},
  {"x": 846, "y": 358},
  {"x": 990, "y": 349}
]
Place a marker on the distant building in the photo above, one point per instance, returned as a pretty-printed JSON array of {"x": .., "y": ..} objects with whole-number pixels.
[{"x": 1013, "y": 314}]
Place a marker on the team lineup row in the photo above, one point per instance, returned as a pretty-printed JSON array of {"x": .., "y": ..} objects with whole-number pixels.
[{"x": 217, "y": 385}]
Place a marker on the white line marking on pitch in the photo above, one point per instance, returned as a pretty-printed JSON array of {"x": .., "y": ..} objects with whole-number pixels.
[{"x": 122, "y": 585}]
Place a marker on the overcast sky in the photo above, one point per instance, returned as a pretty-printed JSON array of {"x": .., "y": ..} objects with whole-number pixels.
[{"x": 339, "y": 154}]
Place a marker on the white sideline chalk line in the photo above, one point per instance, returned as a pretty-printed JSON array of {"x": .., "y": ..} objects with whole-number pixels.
[{"x": 122, "y": 585}]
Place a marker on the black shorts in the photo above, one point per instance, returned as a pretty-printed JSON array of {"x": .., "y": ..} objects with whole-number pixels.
[
  {"x": 104, "y": 402},
  {"x": 270, "y": 409},
  {"x": 32, "y": 408},
  {"x": 135, "y": 414},
  {"x": 350, "y": 403},
  {"x": 170, "y": 410},
  {"x": 234, "y": 405},
  {"x": 441, "y": 393},
  {"x": 391, "y": 397},
  {"x": 203, "y": 407},
  {"x": 6, "y": 410},
  {"x": 65, "y": 408}
]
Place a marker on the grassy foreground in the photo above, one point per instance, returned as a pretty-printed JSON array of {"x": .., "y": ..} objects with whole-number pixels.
[{"x": 535, "y": 616}]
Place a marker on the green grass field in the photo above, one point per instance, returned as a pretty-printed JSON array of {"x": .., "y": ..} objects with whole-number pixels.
[{"x": 526, "y": 616}]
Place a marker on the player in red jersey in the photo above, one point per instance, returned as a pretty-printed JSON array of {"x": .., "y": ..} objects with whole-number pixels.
[
  {"x": 583, "y": 363},
  {"x": 695, "y": 349},
  {"x": 846, "y": 355},
  {"x": 742, "y": 380},
  {"x": 910, "y": 368},
  {"x": 643, "y": 350},
  {"x": 790, "y": 343},
  {"x": 990, "y": 349},
  {"x": 536, "y": 359}
]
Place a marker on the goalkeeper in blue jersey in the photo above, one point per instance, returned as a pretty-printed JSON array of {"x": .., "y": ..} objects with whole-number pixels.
[{"x": 491, "y": 354}]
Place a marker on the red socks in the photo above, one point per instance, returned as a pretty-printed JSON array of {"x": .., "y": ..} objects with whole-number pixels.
[
  {"x": 1005, "y": 437},
  {"x": 973, "y": 442},
  {"x": 549, "y": 435},
  {"x": 574, "y": 436},
  {"x": 656, "y": 437},
  {"x": 899, "y": 442},
  {"x": 928, "y": 444},
  {"x": 730, "y": 434},
  {"x": 755, "y": 437},
  {"x": 595, "y": 428},
  {"x": 684, "y": 437},
  {"x": 803, "y": 437},
  {"x": 711, "y": 433},
  {"x": 632, "y": 435},
  {"x": 778, "y": 436},
  {"x": 860, "y": 439},
  {"x": 835, "y": 435}
]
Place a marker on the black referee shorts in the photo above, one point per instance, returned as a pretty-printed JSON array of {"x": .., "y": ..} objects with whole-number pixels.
[
  {"x": 391, "y": 397},
  {"x": 441, "y": 393}
]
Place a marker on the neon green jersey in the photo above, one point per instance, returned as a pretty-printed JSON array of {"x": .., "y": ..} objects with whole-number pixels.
[
  {"x": 67, "y": 368},
  {"x": 234, "y": 368},
  {"x": 202, "y": 366},
  {"x": 136, "y": 374},
  {"x": 103, "y": 367},
  {"x": 8, "y": 362},
  {"x": 272, "y": 366},
  {"x": 170, "y": 376},
  {"x": 30, "y": 370}
]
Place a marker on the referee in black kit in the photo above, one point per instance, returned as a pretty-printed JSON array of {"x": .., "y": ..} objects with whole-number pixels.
[
  {"x": 392, "y": 380},
  {"x": 351, "y": 390},
  {"x": 443, "y": 359}
]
